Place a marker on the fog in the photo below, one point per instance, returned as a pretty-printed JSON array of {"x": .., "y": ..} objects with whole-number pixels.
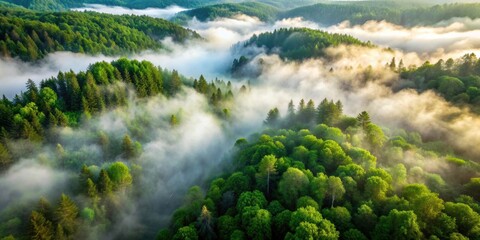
[
  {"x": 454, "y": 37},
  {"x": 165, "y": 13},
  {"x": 175, "y": 158}
]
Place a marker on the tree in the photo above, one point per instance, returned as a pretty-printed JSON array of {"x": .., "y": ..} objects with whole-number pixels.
[
  {"x": 105, "y": 184},
  {"x": 42, "y": 229},
  {"x": 319, "y": 187},
  {"x": 365, "y": 219},
  {"x": 5, "y": 158},
  {"x": 400, "y": 224},
  {"x": 120, "y": 175},
  {"x": 353, "y": 234},
  {"x": 291, "y": 112},
  {"x": 464, "y": 216},
  {"x": 376, "y": 188},
  {"x": 335, "y": 188},
  {"x": 173, "y": 120},
  {"x": 293, "y": 185},
  {"x": 257, "y": 223},
  {"x": 363, "y": 119},
  {"x": 186, "y": 233},
  {"x": 175, "y": 83},
  {"x": 205, "y": 224},
  {"x": 128, "y": 147},
  {"x": 66, "y": 214},
  {"x": 339, "y": 216},
  {"x": 273, "y": 117},
  {"x": 266, "y": 167},
  {"x": 250, "y": 199}
]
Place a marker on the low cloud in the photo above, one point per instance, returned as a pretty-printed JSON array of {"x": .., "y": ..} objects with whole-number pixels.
[
  {"x": 453, "y": 37},
  {"x": 165, "y": 13}
]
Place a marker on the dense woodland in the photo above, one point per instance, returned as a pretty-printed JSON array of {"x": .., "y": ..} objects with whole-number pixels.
[
  {"x": 330, "y": 14},
  {"x": 309, "y": 173},
  {"x": 294, "y": 44},
  {"x": 31, "y": 35},
  {"x": 262, "y": 11},
  {"x": 458, "y": 81},
  {"x": 317, "y": 174},
  {"x": 71, "y": 100},
  {"x": 57, "y": 5}
]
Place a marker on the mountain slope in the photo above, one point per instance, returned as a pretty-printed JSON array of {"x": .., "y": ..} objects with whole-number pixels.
[{"x": 31, "y": 35}]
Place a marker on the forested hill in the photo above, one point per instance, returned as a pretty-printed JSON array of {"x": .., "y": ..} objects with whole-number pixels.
[
  {"x": 344, "y": 178},
  {"x": 329, "y": 14},
  {"x": 57, "y": 5},
  {"x": 262, "y": 11},
  {"x": 31, "y": 35},
  {"x": 295, "y": 44}
]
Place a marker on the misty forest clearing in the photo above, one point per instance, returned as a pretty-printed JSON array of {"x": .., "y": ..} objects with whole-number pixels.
[{"x": 215, "y": 119}]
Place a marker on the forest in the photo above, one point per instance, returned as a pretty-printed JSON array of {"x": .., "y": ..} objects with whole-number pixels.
[
  {"x": 289, "y": 124},
  {"x": 31, "y": 35},
  {"x": 263, "y": 11}
]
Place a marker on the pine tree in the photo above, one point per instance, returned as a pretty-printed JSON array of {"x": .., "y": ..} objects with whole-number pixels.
[
  {"x": 128, "y": 147},
  {"x": 105, "y": 185},
  {"x": 5, "y": 158},
  {"x": 66, "y": 214},
  {"x": 41, "y": 228}
]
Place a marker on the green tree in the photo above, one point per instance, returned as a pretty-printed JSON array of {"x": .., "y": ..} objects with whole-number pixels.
[
  {"x": 120, "y": 175},
  {"x": 250, "y": 199},
  {"x": 41, "y": 228},
  {"x": 293, "y": 185},
  {"x": 267, "y": 168},
  {"x": 205, "y": 224},
  {"x": 399, "y": 225},
  {"x": 335, "y": 188},
  {"x": 257, "y": 223},
  {"x": 105, "y": 184},
  {"x": 66, "y": 214},
  {"x": 186, "y": 233}
]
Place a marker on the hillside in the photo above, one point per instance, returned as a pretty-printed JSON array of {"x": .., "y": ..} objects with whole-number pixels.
[
  {"x": 324, "y": 182},
  {"x": 294, "y": 44},
  {"x": 31, "y": 35},
  {"x": 403, "y": 14},
  {"x": 262, "y": 11}
]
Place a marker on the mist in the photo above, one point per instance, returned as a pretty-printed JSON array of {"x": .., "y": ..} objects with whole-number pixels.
[
  {"x": 175, "y": 158},
  {"x": 165, "y": 13}
]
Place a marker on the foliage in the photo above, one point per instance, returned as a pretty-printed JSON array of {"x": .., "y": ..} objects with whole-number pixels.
[{"x": 30, "y": 36}]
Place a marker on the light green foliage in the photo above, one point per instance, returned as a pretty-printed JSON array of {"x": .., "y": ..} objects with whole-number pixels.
[
  {"x": 294, "y": 184},
  {"x": 250, "y": 199},
  {"x": 88, "y": 214},
  {"x": 332, "y": 155},
  {"x": 466, "y": 219},
  {"x": 362, "y": 157},
  {"x": 335, "y": 188},
  {"x": 319, "y": 187},
  {"x": 306, "y": 201},
  {"x": 267, "y": 169},
  {"x": 120, "y": 175},
  {"x": 376, "y": 188},
  {"x": 186, "y": 233},
  {"x": 257, "y": 223}
]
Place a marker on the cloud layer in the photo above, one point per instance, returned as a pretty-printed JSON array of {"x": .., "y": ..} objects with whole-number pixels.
[{"x": 165, "y": 13}]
